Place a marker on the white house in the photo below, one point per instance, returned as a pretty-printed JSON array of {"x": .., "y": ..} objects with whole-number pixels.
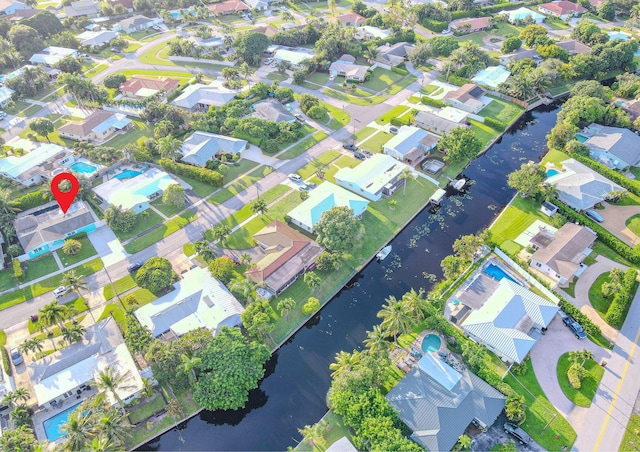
[
  {"x": 199, "y": 97},
  {"x": 469, "y": 97},
  {"x": 345, "y": 67},
  {"x": 293, "y": 56},
  {"x": 201, "y": 147},
  {"x": 36, "y": 164},
  {"x": 522, "y": 15},
  {"x": 136, "y": 23},
  {"x": 51, "y": 55},
  {"x": 96, "y": 38},
  {"x": 410, "y": 145}
]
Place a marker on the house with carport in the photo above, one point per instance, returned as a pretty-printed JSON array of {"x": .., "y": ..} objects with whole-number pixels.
[
  {"x": 138, "y": 87},
  {"x": 410, "y": 145},
  {"x": 471, "y": 25},
  {"x": 200, "y": 97},
  {"x": 98, "y": 126},
  {"x": 52, "y": 55},
  {"x": 345, "y": 67}
]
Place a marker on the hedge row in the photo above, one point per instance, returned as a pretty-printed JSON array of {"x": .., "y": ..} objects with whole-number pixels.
[
  {"x": 399, "y": 70},
  {"x": 432, "y": 102},
  {"x": 400, "y": 122},
  {"x": 436, "y": 26},
  {"x": 632, "y": 185},
  {"x": 458, "y": 81},
  {"x": 587, "y": 325},
  {"x": 5, "y": 361},
  {"x": 30, "y": 200},
  {"x": 17, "y": 270},
  {"x": 622, "y": 299},
  {"x": 202, "y": 174},
  {"x": 495, "y": 124}
]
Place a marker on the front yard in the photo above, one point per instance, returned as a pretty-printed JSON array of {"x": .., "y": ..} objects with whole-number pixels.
[{"x": 584, "y": 395}]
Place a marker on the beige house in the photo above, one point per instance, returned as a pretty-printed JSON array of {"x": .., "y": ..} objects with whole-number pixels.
[
  {"x": 468, "y": 98},
  {"x": 98, "y": 126},
  {"x": 470, "y": 25}
]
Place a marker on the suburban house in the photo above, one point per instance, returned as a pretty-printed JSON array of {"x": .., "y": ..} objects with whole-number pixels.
[
  {"x": 368, "y": 32},
  {"x": 378, "y": 175},
  {"x": 559, "y": 256},
  {"x": 260, "y": 5},
  {"x": 392, "y": 55},
  {"x": 9, "y": 7},
  {"x": 410, "y": 145},
  {"x": 51, "y": 55},
  {"x": 573, "y": 46},
  {"x": 633, "y": 108},
  {"x": 198, "y": 301},
  {"x": 87, "y": 8},
  {"x": 323, "y": 198},
  {"x": 134, "y": 193},
  {"x": 435, "y": 123},
  {"x": 491, "y": 76},
  {"x": 346, "y": 67},
  {"x": 45, "y": 228},
  {"x": 6, "y": 94},
  {"x": 293, "y": 56},
  {"x": 98, "y": 126},
  {"x": 267, "y": 30},
  {"x": 19, "y": 14},
  {"x": 138, "y": 87},
  {"x": 126, "y": 4},
  {"x": 96, "y": 39},
  {"x": 438, "y": 403},
  {"x": 562, "y": 9},
  {"x": 616, "y": 147},
  {"x": 509, "y": 320},
  {"x": 468, "y": 97},
  {"x": 470, "y": 25},
  {"x": 522, "y": 15},
  {"x": 136, "y": 23},
  {"x": 518, "y": 55},
  {"x": 272, "y": 110},
  {"x": 288, "y": 255},
  {"x": 201, "y": 147},
  {"x": 68, "y": 375},
  {"x": 199, "y": 97},
  {"x": 228, "y": 7},
  {"x": 580, "y": 187},
  {"x": 350, "y": 19},
  {"x": 36, "y": 164}
]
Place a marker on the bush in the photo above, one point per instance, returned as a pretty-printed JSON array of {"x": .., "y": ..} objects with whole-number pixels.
[
  {"x": 434, "y": 25},
  {"x": 458, "y": 81},
  {"x": 202, "y": 174},
  {"x": 574, "y": 375},
  {"x": 399, "y": 70},
  {"x": 222, "y": 268},
  {"x": 311, "y": 306},
  {"x": 30, "y": 200},
  {"x": 400, "y": 122},
  {"x": 17, "y": 270},
  {"x": 432, "y": 102},
  {"x": 586, "y": 323},
  {"x": 5, "y": 361},
  {"x": 622, "y": 299},
  {"x": 496, "y": 125},
  {"x": 155, "y": 274}
]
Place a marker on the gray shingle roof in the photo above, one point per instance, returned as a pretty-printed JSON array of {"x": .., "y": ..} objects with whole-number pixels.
[
  {"x": 617, "y": 141},
  {"x": 272, "y": 110},
  {"x": 564, "y": 253},
  {"x": 201, "y": 147}
]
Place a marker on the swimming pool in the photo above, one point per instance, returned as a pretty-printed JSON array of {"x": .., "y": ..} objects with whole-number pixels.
[
  {"x": 84, "y": 168},
  {"x": 497, "y": 273},
  {"x": 581, "y": 138},
  {"x": 431, "y": 343},
  {"x": 53, "y": 425},
  {"x": 552, "y": 172},
  {"x": 127, "y": 174}
]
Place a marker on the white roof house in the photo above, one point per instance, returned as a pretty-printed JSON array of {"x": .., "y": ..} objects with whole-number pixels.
[
  {"x": 491, "y": 76},
  {"x": 199, "y": 97},
  {"x": 58, "y": 376},
  {"x": 522, "y": 14},
  {"x": 198, "y": 301},
  {"x": 36, "y": 164},
  {"x": 507, "y": 321},
  {"x": 293, "y": 56},
  {"x": 368, "y": 32},
  {"x": 6, "y": 94},
  {"x": 410, "y": 144},
  {"x": 323, "y": 198},
  {"x": 580, "y": 187},
  {"x": 201, "y": 147},
  {"x": 96, "y": 38},
  {"x": 51, "y": 55},
  {"x": 380, "y": 174},
  {"x": 135, "y": 193}
]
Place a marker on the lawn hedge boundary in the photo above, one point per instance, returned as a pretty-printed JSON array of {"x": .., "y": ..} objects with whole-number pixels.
[
  {"x": 495, "y": 124},
  {"x": 622, "y": 299},
  {"x": 202, "y": 174},
  {"x": 630, "y": 184},
  {"x": 5, "y": 361},
  {"x": 31, "y": 200},
  {"x": 432, "y": 102}
]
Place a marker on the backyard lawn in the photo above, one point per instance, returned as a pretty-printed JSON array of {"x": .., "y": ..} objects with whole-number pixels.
[
  {"x": 86, "y": 251},
  {"x": 146, "y": 409},
  {"x": 484, "y": 133},
  {"x": 501, "y": 110},
  {"x": 139, "y": 130},
  {"x": 515, "y": 219},
  {"x": 584, "y": 395},
  {"x": 382, "y": 79},
  {"x": 375, "y": 142}
]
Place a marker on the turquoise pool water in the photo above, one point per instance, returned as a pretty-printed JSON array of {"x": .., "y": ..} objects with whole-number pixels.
[
  {"x": 127, "y": 174},
  {"x": 431, "y": 343},
  {"x": 497, "y": 273},
  {"x": 552, "y": 172},
  {"x": 84, "y": 168},
  {"x": 53, "y": 425},
  {"x": 581, "y": 138}
]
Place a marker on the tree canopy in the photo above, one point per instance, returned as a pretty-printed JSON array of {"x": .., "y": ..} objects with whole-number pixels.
[
  {"x": 459, "y": 144},
  {"x": 249, "y": 47},
  {"x": 155, "y": 274},
  {"x": 527, "y": 179},
  {"x": 339, "y": 230}
]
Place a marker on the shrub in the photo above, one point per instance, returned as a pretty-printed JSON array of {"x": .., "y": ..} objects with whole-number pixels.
[
  {"x": 432, "y": 102},
  {"x": 458, "y": 81},
  {"x": 155, "y": 274},
  {"x": 399, "y": 70},
  {"x": 588, "y": 326},
  {"x": 17, "y": 270},
  {"x": 222, "y": 268},
  {"x": 434, "y": 25},
  {"x": 400, "y": 122},
  {"x": 622, "y": 299},
  {"x": 202, "y": 174},
  {"x": 311, "y": 306},
  {"x": 575, "y": 374},
  {"x": 5, "y": 361},
  {"x": 496, "y": 125},
  {"x": 30, "y": 200}
]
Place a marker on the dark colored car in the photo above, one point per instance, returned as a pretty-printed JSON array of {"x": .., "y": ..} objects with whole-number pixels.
[
  {"x": 299, "y": 118},
  {"x": 359, "y": 155},
  {"x": 575, "y": 327},
  {"x": 393, "y": 129},
  {"x": 594, "y": 216},
  {"x": 350, "y": 147},
  {"x": 135, "y": 266},
  {"x": 517, "y": 432},
  {"x": 16, "y": 357}
]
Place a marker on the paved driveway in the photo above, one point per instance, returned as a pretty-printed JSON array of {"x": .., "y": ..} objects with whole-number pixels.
[
  {"x": 496, "y": 435},
  {"x": 614, "y": 222}
]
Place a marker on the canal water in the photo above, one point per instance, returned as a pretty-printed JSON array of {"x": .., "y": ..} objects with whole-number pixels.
[{"x": 293, "y": 392}]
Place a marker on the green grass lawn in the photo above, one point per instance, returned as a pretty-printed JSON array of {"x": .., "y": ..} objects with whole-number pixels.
[
  {"x": 121, "y": 286},
  {"x": 40, "y": 266},
  {"x": 633, "y": 223},
  {"x": 556, "y": 24},
  {"x": 476, "y": 38},
  {"x": 554, "y": 156},
  {"x": 584, "y": 395},
  {"x": 515, "y": 219},
  {"x": 318, "y": 78},
  {"x": 484, "y": 133},
  {"x": 334, "y": 429},
  {"x": 602, "y": 249},
  {"x": 364, "y": 101},
  {"x": 167, "y": 209},
  {"x": 86, "y": 252},
  {"x": 7, "y": 281},
  {"x": 302, "y": 146},
  {"x": 400, "y": 85},
  {"x": 395, "y": 112},
  {"x": 505, "y": 29},
  {"x": 382, "y": 79},
  {"x": 132, "y": 47},
  {"x": 339, "y": 117},
  {"x": 145, "y": 410},
  {"x": 95, "y": 70},
  {"x": 279, "y": 76},
  {"x": 597, "y": 300},
  {"x": 146, "y": 220},
  {"x": 140, "y": 130},
  {"x": 163, "y": 231},
  {"x": 158, "y": 54},
  {"x": 631, "y": 438},
  {"x": 429, "y": 89},
  {"x": 501, "y": 110},
  {"x": 364, "y": 133},
  {"x": 346, "y": 161},
  {"x": 239, "y": 185},
  {"x": 322, "y": 161},
  {"x": 543, "y": 422},
  {"x": 202, "y": 189},
  {"x": 244, "y": 166},
  {"x": 375, "y": 143},
  {"x": 180, "y": 75}
]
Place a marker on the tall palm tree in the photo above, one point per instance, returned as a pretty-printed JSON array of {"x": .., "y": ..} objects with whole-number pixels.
[
  {"x": 73, "y": 282},
  {"x": 21, "y": 395},
  {"x": 314, "y": 434},
  {"x": 377, "y": 340},
  {"x": 189, "y": 365},
  {"x": 78, "y": 430},
  {"x": 286, "y": 306},
  {"x": 259, "y": 206},
  {"x": 53, "y": 313},
  {"x": 204, "y": 250},
  {"x": 405, "y": 176},
  {"x": 246, "y": 71},
  {"x": 102, "y": 443},
  {"x": 416, "y": 304},
  {"x": 7, "y": 205},
  {"x": 245, "y": 287},
  {"x": 169, "y": 147},
  {"x": 395, "y": 316},
  {"x": 111, "y": 424},
  {"x": 74, "y": 333},
  {"x": 457, "y": 58},
  {"x": 32, "y": 345},
  {"x": 344, "y": 362},
  {"x": 112, "y": 381}
]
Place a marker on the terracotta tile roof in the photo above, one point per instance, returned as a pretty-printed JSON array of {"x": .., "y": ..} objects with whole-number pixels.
[
  {"x": 135, "y": 84},
  {"x": 473, "y": 23},
  {"x": 229, "y": 5},
  {"x": 562, "y": 7},
  {"x": 350, "y": 17}
]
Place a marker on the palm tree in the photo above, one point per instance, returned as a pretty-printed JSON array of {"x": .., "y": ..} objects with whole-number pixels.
[
  {"x": 74, "y": 333},
  {"x": 314, "y": 434},
  {"x": 259, "y": 206},
  {"x": 286, "y": 306},
  {"x": 246, "y": 71},
  {"x": 344, "y": 362},
  {"x": 111, "y": 424},
  {"x": 102, "y": 443},
  {"x": 404, "y": 176},
  {"x": 371, "y": 53},
  {"x": 73, "y": 282},
  {"x": 53, "y": 313},
  {"x": 189, "y": 366},
  {"x": 12, "y": 397},
  {"x": 112, "y": 381},
  {"x": 465, "y": 442},
  {"x": 77, "y": 430},
  {"x": 220, "y": 232},
  {"x": 31, "y": 345},
  {"x": 585, "y": 355},
  {"x": 245, "y": 287},
  {"x": 245, "y": 258},
  {"x": 204, "y": 250},
  {"x": 377, "y": 340},
  {"x": 416, "y": 304},
  {"x": 457, "y": 58},
  {"x": 311, "y": 279},
  {"x": 395, "y": 316},
  {"x": 228, "y": 41},
  {"x": 20, "y": 415},
  {"x": 72, "y": 247},
  {"x": 7, "y": 205},
  {"x": 169, "y": 147}
]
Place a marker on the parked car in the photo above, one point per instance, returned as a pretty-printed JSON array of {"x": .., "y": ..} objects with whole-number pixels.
[
  {"x": 299, "y": 118},
  {"x": 312, "y": 184},
  {"x": 2, "y": 114},
  {"x": 295, "y": 177},
  {"x": 59, "y": 292},
  {"x": 304, "y": 187},
  {"x": 268, "y": 61},
  {"x": 575, "y": 327},
  {"x": 359, "y": 155},
  {"x": 594, "y": 216},
  {"x": 115, "y": 50},
  {"x": 135, "y": 266},
  {"x": 16, "y": 357},
  {"x": 350, "y": 147},
  {"x": 367, "y": 153},
  {"x": 516, "y": 431},
  {"x": 393, "y": 129},
  {"x": 157, "y": 28}
]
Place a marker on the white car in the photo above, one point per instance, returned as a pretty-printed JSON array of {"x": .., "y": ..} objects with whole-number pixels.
[
  {"x": 295, "y": 177},
  {"x": 268, "y": 61},
  {"x": 59, "y": 292},
  {"x": 157, "y": 28}
]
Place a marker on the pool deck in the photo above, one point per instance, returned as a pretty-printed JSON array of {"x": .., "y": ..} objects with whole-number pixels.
[{"x": 43, "y": 414}]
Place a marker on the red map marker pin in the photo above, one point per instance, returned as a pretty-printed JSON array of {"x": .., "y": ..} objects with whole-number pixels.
[{"x": 65, "y": 199}]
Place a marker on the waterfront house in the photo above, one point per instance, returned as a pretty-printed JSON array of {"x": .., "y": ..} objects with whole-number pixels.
[
  {"x": 136, "y": 23},
  {"x": 35, "y": 162},
  {"x": 135, "y": 192},
  {"x": 228, "y": 7},
  {"x": 197, "y": 301},
  {"x": 62, "y": 376},
  {"x": 391, "y": 55},
  {"x": 378, "y": 175},
  {"x": 470, "y": 25},
  {"x": 562, "y": 9},
  {"x": 615, "y": 147},
  {"x": 510, "y": 319},
  {"x": 138, "y": 87},
  {"x": 98, "y": 126},
  {"x": 52, "y": 55},
  {"x": 272, "y": 110},
  {"x": 559, "y": 256},
  {"x": 521, "y": 15},
  {"x": 435, "y": 123},
  {"x": 45, "y": 228},
  {"x": 491, "y": 76},
  {"x": 288, "y": 254},
  {"x": 324, "y": 198},
  {"x": 438, "y": 403},
  {"x": 201, "y": 147},
  {"x": 9, "y": 7},
  {"x": 199, "y": 97},
  {"x": 580, "y": 187},
  {"x": 96, "y": 39},
  {"x": 87, "y": 8},
  {"x": 410, "y": 145},
  {"x": 469, "y": 97}
]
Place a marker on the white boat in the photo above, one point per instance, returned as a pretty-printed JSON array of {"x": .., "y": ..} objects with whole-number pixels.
[
  {"x": 384, "y": 252},
  {"x": 458, "y": 184}
]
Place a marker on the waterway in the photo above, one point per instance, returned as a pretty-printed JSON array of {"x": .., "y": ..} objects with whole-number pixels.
[{"x": 293, "y": 392}]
